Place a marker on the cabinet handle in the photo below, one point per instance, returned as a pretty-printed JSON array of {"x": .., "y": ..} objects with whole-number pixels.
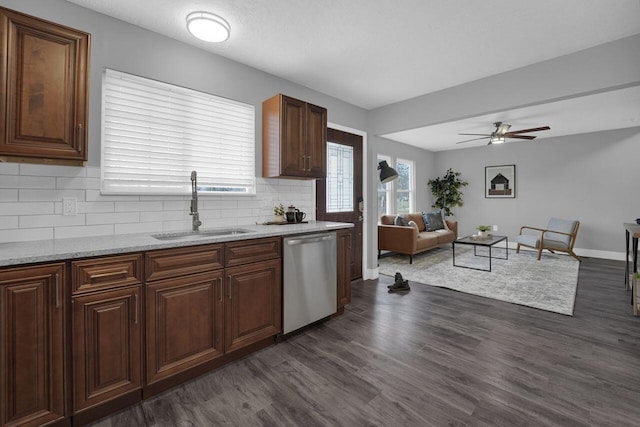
[
  {"x": 94, "y": 277},
  {"x": 135, "y": 312},
  {"x": 57, "y": 291},
  {"x": 230, "y": 287},
  {"x": 221, "y": 291},
  {"x": 80, "y": 133},
  {"x": 309, "y": 161}
]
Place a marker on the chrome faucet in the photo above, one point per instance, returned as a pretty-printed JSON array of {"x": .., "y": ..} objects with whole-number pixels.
[{"x": 195, "y": 216}]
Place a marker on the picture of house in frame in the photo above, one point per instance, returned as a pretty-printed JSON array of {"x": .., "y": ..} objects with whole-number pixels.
[
  {"x": 500, "y": 181},
  {"x": 500, "y": 186}
]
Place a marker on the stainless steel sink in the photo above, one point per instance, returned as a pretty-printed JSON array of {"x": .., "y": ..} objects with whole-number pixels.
[{"x": 192, "y": 235}]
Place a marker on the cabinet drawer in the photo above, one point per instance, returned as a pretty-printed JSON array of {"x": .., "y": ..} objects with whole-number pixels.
[
  {"x": 247, "y": 251},
  {"x": 108, "y": 272},
  {"x": 167, "y": 263}
]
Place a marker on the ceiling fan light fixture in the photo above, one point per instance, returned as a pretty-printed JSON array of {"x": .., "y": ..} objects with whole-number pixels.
[
  {"x": 208, "y": 27},
  {"x": 497, "y": 140}
]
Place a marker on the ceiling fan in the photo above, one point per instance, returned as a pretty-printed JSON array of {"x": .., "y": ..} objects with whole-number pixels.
[{"x": 502, "y": 131}]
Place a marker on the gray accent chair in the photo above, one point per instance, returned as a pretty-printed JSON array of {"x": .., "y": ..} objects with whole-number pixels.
[{"x": 560, "y": 235}]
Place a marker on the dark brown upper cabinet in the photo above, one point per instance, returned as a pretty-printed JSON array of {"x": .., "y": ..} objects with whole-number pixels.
[
  {"x": 44, "y": 77},
  {"x": 294, "y": 139}
]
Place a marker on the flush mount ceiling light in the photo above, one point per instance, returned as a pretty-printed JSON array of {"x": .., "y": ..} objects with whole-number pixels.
[{"x": 208, "y": 27}]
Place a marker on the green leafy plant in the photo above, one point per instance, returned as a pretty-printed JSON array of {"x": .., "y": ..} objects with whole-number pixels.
[
  {"x": 484, "y": 227},
  {"x": 447, "y": 192},
  {"x": 278, "y": 210}
]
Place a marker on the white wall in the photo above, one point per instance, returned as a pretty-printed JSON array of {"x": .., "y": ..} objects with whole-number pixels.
[
  {"x": 593, "y": 178},
  {"x": 31, "y": 195}
]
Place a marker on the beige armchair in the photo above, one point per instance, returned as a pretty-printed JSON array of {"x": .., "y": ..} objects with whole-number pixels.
[{"x": 560, "y": 235}]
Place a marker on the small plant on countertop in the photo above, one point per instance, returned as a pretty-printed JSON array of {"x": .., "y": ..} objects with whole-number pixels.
[{"x": 278, "y": 210}]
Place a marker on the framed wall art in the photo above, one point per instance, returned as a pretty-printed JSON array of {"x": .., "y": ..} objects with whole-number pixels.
[{"x": 500, "y": 182}]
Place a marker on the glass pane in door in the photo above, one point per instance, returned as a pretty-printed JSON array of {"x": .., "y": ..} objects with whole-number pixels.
[{"x": 339, "y": 178}]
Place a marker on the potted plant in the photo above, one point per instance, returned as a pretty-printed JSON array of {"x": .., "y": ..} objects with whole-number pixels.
[
  {"x": 482, "y": 230},
  {"x": 446, "y": 191},
  {"x": 278, "y": 212}
]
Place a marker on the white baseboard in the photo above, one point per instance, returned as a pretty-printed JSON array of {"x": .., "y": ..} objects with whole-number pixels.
[{"x": 370, "y": 274}]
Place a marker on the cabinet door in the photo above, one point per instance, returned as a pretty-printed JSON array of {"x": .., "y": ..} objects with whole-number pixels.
[
  {"x": 293, "y": 145},
  {"x": 44, "y": 90},
  {"x": 32, "y": 363},
  {"x": 107, "y": 357},
  {"x": 253, "y": 303},
  {"x": 344, "y": 267},
  {"x": 316, "y": 141},
  {"x": 184, "y": 323}
]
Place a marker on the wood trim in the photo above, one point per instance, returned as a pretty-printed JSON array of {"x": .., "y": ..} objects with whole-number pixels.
[
  {"x": 250, "y": 251},
  {"x": 106, "y": 272},
  {"x": 178, "y": 262}
]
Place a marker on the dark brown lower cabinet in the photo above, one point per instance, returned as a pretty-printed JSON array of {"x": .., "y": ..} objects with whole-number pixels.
[
  {"x": 107, "y": 345},
  {"x": 344, "y": 267},
  {"x": 184, "y": 323},
  {"x": 32, "y": 356},
  {"x": 253, "y": 303}
]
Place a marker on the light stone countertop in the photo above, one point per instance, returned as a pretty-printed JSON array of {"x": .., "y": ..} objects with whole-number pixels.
[{"x": 16, "y": 253}]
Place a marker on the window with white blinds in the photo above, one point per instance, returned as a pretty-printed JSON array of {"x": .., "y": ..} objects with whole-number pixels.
[{"x": 154, "y": 134}]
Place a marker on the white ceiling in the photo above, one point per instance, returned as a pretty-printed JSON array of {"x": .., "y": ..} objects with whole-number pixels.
[
  {"x": 371, "y": 53},
  {"x": 604, "y": 111}
]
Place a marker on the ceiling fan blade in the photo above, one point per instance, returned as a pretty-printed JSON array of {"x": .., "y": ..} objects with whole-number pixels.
[
  {"x": 528, "y": 130},
  {"x": 475, "y": 134},
  {"x": 474, "y": 139},
  {"x": 520, "y": 136}
]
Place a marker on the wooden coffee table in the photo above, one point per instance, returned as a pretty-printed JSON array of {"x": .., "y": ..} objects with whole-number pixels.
[{"x": 487, "y": 242}]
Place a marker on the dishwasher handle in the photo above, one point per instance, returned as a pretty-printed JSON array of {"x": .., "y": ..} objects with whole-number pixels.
[{"x": 310, "y": 239}]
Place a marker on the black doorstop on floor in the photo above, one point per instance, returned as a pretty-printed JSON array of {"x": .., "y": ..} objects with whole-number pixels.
[{"x": 400, "y": 284}]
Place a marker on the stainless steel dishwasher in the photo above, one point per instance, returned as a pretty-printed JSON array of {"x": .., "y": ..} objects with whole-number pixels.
[{"x": 310, "y": 279}]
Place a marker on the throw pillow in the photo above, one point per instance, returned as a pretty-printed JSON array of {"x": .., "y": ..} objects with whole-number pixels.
[
  {"x": 434, "y": 221},
  {"x": 400, "y": 220},
  {"x": 414, "y": 225}
]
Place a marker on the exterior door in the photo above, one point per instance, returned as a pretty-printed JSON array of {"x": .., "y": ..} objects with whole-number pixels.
[{"x": 338, "y": 196}]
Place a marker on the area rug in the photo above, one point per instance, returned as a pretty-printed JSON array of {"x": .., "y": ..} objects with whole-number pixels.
[{"x": 549, "y": 284}]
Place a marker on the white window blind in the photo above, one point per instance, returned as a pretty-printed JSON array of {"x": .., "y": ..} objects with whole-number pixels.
[{"x": 154, "y": 134}]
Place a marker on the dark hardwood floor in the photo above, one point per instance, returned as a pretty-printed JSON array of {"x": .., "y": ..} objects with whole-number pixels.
[{"x": 431, "y": 357}]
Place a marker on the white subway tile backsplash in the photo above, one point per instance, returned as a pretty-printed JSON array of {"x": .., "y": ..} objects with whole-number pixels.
[
  {"x": 83, "y": 231},
  {"x": 24, "y": 235},
  {"x": 176, "y": 205},
  {"x": 138, "y": 227},
  {"x": 51, "y": 170},
  {"x": 38, "y": 221},
  {"x": 96, "y": 207},
  {"x": 31, "y": 205},
  {"x": 79, "y": 183},
  {"x": 49, "y": 195},
  {"x": 9, "y": 169},
  {"x": 112, "y": 218},
  {"x": 95, "y": 196},
  {"x": 35, "y": 208},
  {"x": 8, "y": 222},
  {"x": 138, "y": 206},
  {"x": 8, "y": 195},
  {"x": 18, "y": 181},
  {"x": 164, "y": 216}
]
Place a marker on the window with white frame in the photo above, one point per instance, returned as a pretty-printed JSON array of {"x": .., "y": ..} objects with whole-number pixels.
[
  {"x": 154, "y": 134},
  {"x": 384, "y": 191},
  {"x": 405, "y": 193}
]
